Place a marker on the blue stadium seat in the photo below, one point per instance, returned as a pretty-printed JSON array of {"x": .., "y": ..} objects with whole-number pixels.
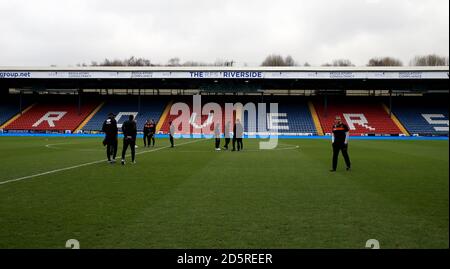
[
  {"x": 7, "y": 111},
  {"x": 423, "y": 119},
  {"x": 298, "y": 116},
  {"x": 150, "y": 108}
]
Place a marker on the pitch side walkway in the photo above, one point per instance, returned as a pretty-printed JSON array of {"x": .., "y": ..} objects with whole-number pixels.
[{"x": 258, "y": 137}]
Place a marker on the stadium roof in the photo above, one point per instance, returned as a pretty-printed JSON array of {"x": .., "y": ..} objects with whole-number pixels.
[
  {"x": 222, "y": 68},
  {"x": 156, "y": 77}
]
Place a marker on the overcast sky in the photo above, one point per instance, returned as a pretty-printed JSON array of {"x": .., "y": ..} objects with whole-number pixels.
[{"x": 67, "y": 32}]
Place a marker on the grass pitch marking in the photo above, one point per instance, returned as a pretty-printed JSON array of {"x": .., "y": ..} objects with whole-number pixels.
[
  {"x": 55, "y": 146},
  {"x": 85, "y": 164},
  {"x": 289, "y": 147},
  {"x": 244, "y": 150}
]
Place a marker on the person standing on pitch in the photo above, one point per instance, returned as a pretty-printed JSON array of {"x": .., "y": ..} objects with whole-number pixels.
[
  {"x": 227, "y": 135},
  {"x": 217, "y": 132},
  {"x": 129, "y": 138},
  {"x": 171, "y": 134},
  {"x": 110, "y": 141},
  {"x": 340, "y": 142},
  {"x": 238, "y": 133},
  {"x": 151, "y": 134},
  {"x": 146, "y": 132}
]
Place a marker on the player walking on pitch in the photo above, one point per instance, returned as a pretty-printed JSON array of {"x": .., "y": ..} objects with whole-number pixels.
[
  {"x": 171, "y": 134},
  {"x": 238, "y": 133},
  {"x": 339, "y": 138},
  {"x": 129, "y": 138},
  {"x": 110, "y": 141},
  {"x": 227, "y": 135},
  {"x": 146, "y": 132},
  {"x": 151, "y": 134},
  {"x": 217, "y": 132}
]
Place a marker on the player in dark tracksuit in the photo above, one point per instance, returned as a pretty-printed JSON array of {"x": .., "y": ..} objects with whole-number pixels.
[
  {"x": 227, "y": 135},
  {"x": 151, "y": 134},
  {"x": 146, "y": 132},
  {"x": 171, "y": 134},
  {"x": 129, "y": 138},
  {"x": 217, "y": 132},
  {"x": 238, "y": 133},
  {"x": 110, "y": 129},
  {"x": 340, "y": 143}
]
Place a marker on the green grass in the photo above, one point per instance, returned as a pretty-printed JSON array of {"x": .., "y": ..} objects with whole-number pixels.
[{"x": 194, "y": 197}]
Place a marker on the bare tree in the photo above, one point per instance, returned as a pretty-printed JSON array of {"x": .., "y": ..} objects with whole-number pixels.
[
  {"x": 132, "y": 61},
  {"x": 229, "y": 63},
  {"x": 384, "y": 61},
  {"x": 289, "y": 61},
  {"x": 219, "y": 62},
  {"x": 174, "y": 61},
  {"x": 273, "y": 60},
  {"x": 429, "y": 60},
  {"x": 339, "y": 62},
  {"x": 194, "y": 63}
]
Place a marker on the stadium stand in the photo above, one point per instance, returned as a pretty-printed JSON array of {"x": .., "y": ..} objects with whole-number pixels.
[
  {"x": 296, "y": 115},
  {"x": 7, "y": 111},
  {"x": 423, "y": 118},
  {"x": 168, "y": 118},
  {"x": 293, "y": 118},
  {"x": 362, "y": 117},
  {"x": 56, "y": 117},
  {"x": 299, "y": 118},
  {"x": 9, "y": 107},
  {"x": 150, "y": 108}
]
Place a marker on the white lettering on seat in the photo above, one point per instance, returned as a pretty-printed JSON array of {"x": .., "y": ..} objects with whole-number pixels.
[
  {"x": 121, "y": 114},
  {"x": 442, "y": 121},
  {"x": 357, "y": 118},
  {"x": 50, "y": 117}
]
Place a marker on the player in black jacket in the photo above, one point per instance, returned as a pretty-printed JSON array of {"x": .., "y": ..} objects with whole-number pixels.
[
  {"x": 129, "y": 138},
  {"x": 152, "y": 131},
  {"x": 340, "y": 142},
  {"x": 110, "y": 141},
  {"x": 146, "y": 132},
  {"x": 238, "y": 134},
  {"x": 227, "y": 135}
]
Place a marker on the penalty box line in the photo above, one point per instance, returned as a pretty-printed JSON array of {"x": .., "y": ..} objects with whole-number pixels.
[{"x": 85, "y": 164}]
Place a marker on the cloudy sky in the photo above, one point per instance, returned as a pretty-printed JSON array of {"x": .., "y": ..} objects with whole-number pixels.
[{"x": 67, "y": 32}]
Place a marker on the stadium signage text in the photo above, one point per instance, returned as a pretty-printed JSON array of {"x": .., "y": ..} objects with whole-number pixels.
[
  {"x": 222, "y": 75},
  {"x": 227, "y": 74},
  {"x": 15, "y": 74},
  {"x": 342, "y": 75}
]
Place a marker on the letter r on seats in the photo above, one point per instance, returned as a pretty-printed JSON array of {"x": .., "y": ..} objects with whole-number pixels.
[{"x": 50, "y": 117}]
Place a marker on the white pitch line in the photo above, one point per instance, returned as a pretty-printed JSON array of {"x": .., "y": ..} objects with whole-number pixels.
[
  {"x": 84, "y": 164},
  {"x": 244, "y": 150},
  {"x": 51, "y": 145}
]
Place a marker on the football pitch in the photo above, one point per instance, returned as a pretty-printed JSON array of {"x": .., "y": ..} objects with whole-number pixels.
[{"x": 190, "y": 196}]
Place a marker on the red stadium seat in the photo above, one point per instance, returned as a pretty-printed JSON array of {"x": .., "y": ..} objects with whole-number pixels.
[
  {"x": 362, "y": 118},
  {"x": 204, "y": 118},
  {"x": 52, "y": 117}
]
